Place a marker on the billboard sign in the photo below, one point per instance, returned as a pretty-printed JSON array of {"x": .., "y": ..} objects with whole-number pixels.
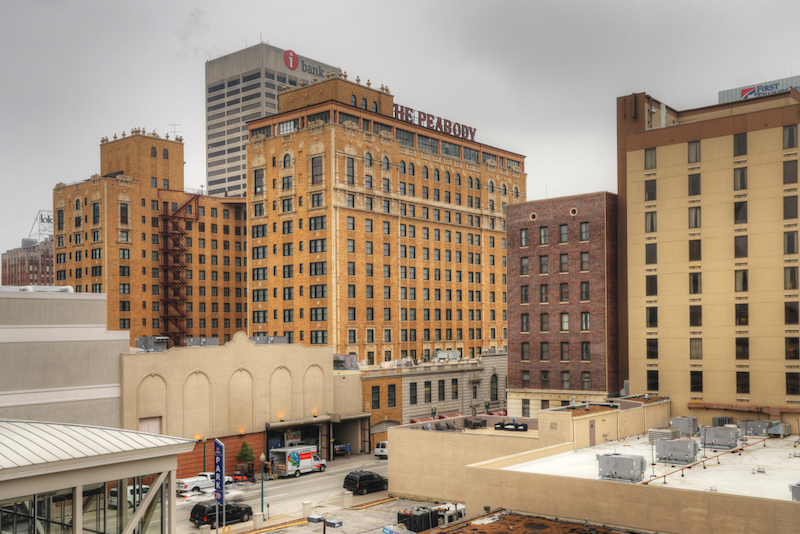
[{"x": 760, "y": 89}]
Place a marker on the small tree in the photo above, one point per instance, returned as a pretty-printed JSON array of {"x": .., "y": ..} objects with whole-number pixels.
[{"x": 245, "y": 454}]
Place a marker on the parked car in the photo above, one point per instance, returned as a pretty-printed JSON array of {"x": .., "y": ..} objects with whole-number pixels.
[
  {"x": 363, "y": 482},
  {"x": 112, "y": 496},
  {"x": 382, "y": 449},
  {"x": 339, "y": 447},
  {"x": 205, "y": 513}
]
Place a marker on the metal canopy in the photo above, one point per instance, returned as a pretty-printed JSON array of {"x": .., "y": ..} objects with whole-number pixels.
[{"x": 28, "y": 446}]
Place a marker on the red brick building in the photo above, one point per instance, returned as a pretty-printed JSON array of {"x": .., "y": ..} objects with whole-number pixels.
[
  {"x": 29, "y": 265},
  {"x": 562, "y": 301}
]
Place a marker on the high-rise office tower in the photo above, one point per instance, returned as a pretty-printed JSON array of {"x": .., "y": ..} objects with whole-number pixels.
[{"x": 241, "y": 87}]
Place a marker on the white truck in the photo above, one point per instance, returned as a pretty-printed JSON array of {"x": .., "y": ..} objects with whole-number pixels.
[
  {"x": 200, "y": 482},
  {"x": 291, "y": 461}
]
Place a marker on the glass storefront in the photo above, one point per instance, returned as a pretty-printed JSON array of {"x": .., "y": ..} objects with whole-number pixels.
[{"x": 107, "y": 508}]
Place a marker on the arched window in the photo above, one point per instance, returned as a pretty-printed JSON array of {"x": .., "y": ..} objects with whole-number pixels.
[
  {"x": 368, "y": 159},
  {"x": 425, "y": 172},
  {"x": 77, "y": 203},
  {"x": 363, "y": 103},
  {"x": 494, "y": 393},
  {"x": 477, "y": 183},
  {"x": 469, "y": 182},
  {"x": 353, "y": 100},
  {"x": 447, "y": 177},
  {"x": 516, "y": 192},
  {"x": 153, "y": 152},
  {"x": 402, "y": 167},
  {"x": 411, "y": 169},
  {"x": 505, "y": 190},
  {"x": 491, "y": 186},
  {"x": 435, "y": 175},
  {"x": 374, "y": 107},
  {"x": 287, "y": 161},
  {"x": 385, "y": 165},
  {"x": 458, "y": 179},
  {"x": 165, "y": 154}
]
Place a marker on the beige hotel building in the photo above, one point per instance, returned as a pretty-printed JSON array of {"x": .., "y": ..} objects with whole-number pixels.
[
  {"x": 376, "y": 229},
  {"x": 708, "y": 222}
]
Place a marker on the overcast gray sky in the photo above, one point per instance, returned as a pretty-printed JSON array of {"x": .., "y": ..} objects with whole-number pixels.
[{"x": 538, "y": 78}]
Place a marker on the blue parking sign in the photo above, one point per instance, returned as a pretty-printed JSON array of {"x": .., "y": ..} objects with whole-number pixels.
[{"x": 219, "y": 471}]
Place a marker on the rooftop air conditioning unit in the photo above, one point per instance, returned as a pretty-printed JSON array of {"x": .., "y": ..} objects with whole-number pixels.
[
  {"x": 687, "y": 424},
  {"x": 621, "y": 467},
  {"x": 719, "y": 437},
  {"x": 678, "y": 451}
]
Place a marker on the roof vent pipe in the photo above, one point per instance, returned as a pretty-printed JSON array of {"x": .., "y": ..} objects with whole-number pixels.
[{"x": 573, "y": 400}]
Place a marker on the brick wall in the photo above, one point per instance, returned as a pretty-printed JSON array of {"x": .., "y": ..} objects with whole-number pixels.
[{"x": 191, "y": 463}]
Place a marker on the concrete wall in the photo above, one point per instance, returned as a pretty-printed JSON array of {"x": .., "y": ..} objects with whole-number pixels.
[
  {"x": 221, "y": 391},
  {"x": 431, "y": 465},
  {"x": 651, "y": 508},
  {"x": 59, "y": 362}
]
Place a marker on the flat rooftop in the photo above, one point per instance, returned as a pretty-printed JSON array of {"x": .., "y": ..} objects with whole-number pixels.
[{"x": 727, "y": 471}]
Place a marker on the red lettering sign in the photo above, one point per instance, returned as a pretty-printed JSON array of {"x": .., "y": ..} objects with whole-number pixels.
[
  {"x": 433, "y": 122},
  {"x": 290, "y": 59}
]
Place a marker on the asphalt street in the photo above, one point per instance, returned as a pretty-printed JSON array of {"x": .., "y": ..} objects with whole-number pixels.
[{"x": 285, "y": 496}]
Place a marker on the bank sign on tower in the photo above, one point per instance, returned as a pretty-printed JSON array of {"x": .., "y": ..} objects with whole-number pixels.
[{"x": 432, "y": 122}]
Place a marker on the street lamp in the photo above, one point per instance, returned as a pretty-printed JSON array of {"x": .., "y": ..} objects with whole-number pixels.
[
  {"x": 263, "y": 459},
  {"x": 486, "y": 405},
  {"x": 433, "y": 411}
]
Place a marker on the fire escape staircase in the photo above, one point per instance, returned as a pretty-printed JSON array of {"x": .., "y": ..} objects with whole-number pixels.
[{"x": 173, "y": 269}]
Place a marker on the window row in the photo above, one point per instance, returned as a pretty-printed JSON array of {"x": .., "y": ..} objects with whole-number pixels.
[
  {"x": 563, "y": 234},
  {"x": 563, "y": 348},
  {"x": 544, "y": 264},
  {"x": 739, "y": 214},
  {"x": 741, "y": 315},
  {"x": 563, "y": 293},
  {"x": 563, "y": 322}
]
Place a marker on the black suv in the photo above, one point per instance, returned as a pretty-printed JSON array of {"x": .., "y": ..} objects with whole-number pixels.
[
  {"x": 362, "y": 482},
  {"x": 206, "y": 513}
]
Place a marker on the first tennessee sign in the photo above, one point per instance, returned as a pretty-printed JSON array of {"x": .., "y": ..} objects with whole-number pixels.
[{"x": 432, "y": 122}]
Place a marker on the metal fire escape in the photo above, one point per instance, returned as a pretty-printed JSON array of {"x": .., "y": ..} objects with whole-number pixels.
[{"x": 173, "y": 269}]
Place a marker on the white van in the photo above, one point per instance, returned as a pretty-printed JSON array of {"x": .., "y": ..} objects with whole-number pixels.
[
  {"x": 382, "y": 449},
  {"x": 112, "y": 496}
]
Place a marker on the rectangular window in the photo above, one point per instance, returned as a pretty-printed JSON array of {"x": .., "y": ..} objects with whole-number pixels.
[
  {"x": 790, "y": 136},
  {"x": 564, "y": 263},
  {"x": 790, "y": 242},
  {"x": 694, "y": 217},
  {"x": 652, "y": 380},
  {"x": 564, "y": 379},
  {"x": 543, "y": 235},
  {"x": 793, "y": 348},
  {"x": 742, "y": 348},
  {"x": 652, "y": 349},
  {"x": 694, "y": 151},
  {"x": 790, "y": 278},
  {"x": 649, "y": 190},
  {"x": 565, "y": 322},
  {"x": 651, "y": 285},
  {"x": 428, "y": 391},
  {"x": 696, "y": 381},
  {"x": 586, "y": 351},
  {"x": 650, "y": 222},
  {"x": 695, "y": 283},
  {"x": 543, "y": 296},
  {"x": 694, "y": 250},
  {"x": 790, "y": 172},
  {"x": 791, "y": 312},
  {"x": 740, "y": 278},
  {"x": 524, "y": 322},
  {"x": 651, "y": 253},
  {"x": 523, "y": 266},
  {"x": 793, "y": 383},
  {"x": 584, "y": 321},
  {"x": 742, "y": 382},
  {"x": 584, "y": 231},
  {"x": 649, "y": 158},
  {"x": 696, "y": 316},
  {"x": 412, "y": 393},
  {"x": 523, "y": 237},
  {"x": 740, "y": 178},
  {"x": 742, "y": 315},
  {"x": 790, "y": 207},
  {"x": 563, "y": 233},
  {"x": 544, "y": 323},
  {"x": 376, "y": 397},
  {"x": 651, "y": 317},
  {"x": 694, "y": 185},
  {"x": 585, "y": 295},
  {"x": 586, "y": 380},
  {"x": 392, "y": 400},
  {"x": 740, "y": 246},
  {"x": 739, "y": 212},
  {"x": 584, "y": 261},
  {"x": 544, "y": 351},
  {"x": 525, "y": 351},
  {"x": 695, "y": 349},
  {"x": 740, "y": 144},
  {"x": 543, "y": 264}
]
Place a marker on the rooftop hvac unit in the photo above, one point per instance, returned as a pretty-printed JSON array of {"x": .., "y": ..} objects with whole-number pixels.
[
  {"x": 621, "y": 467},
  {"x": 795, "y": 489},
  {"x": 270, "y": 340},
  {"x": 447, "y": 355},
  {"x": 201, "y": 342},
  {"x": 687, "y": 424},
  {"x": 678, "y": 451},
  {"x": 719, "y": 437},
  {"x": 152, "y": 343},
  {"x": 664, "y": 432},
  {"x": 721, "y": 421},
  {"x": 780, "y": 429}
]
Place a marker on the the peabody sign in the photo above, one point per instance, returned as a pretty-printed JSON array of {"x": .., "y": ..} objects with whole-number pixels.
[{"x": 433, "y": 122}]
